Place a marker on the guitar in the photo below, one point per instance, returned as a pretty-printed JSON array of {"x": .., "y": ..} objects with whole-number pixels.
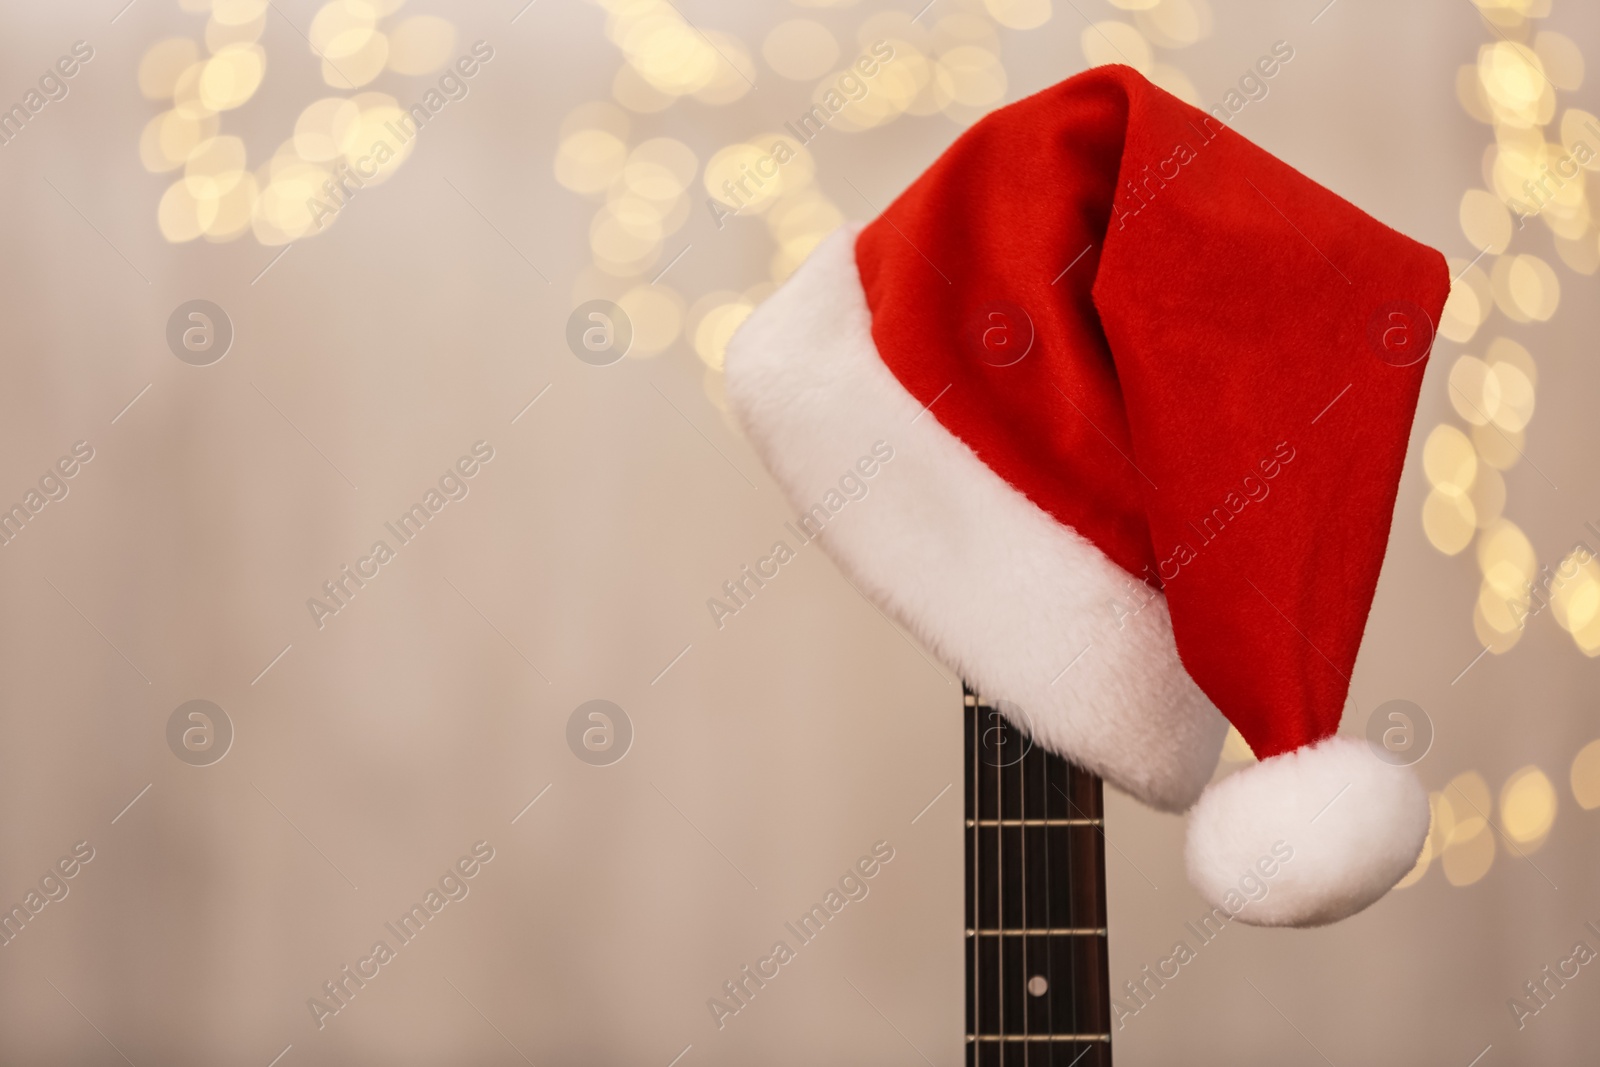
[{"x": 1038, "y": 984}]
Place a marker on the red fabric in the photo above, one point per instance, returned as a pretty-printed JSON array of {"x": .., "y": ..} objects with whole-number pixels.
[{"x": 1189, "y": 354}]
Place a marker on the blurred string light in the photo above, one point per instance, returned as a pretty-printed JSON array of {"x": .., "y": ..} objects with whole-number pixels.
[
  {"x": 1535, "y": 171},
  {"x": 219, "y": 196},
  {"x": 1461, "y": 837},
  {"x": 946, "y": 61},
  {"x": 1512, "y": 87},
  {"x": 644, "y": 197}
]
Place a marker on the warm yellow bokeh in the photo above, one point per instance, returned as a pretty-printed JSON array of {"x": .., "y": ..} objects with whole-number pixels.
[
  {"x": 1585, "y": 776},
  {"x": 1575, "y": 598},
  {"x": 715, "y": 328},
  {"x": 1440, "y": 823},
  {"x": 234, "y": 210},
  {"x": 1448, "y": 521},
  {"x": 1449, "y": 460},
  {"x": 665, "y": 50},
  {"x": 162, "y": 64},
  {"x": 751, "y": 176},
  {"x": 732, "y": 76},
  {"x": 1470, "y": 301},
  {"x": 168, "y": 139},
  {"x": 1500, "y": 449},
  {"x": 1485, "y": 221},
  {"x": 1468, "y": 851},
  {"x": 588, "y": 161},
  {"x": 374, "y": 150},
  {"x": 1527, "y": 807},
  {"x": 1504, "y": 614},
  {"x": 1172, "y": 23},
  {"x": 360, "y": 67},
  {"x": 660, "y": 169},
  {"x": 971, "y": 76},
  {"x": 1474, "y": 390},
  {"x": 626, "y": 244},
  {"x": 630, "y": 90},
  {"x": 214, "y": 167},
  {"x": 180, "y": 216},
  {"x": 1516, "y": 401},
  {"x": 1506, "y": 558},
  {"x": 1515, "y": 84},
  {"x": 323, "y": 130},
  {"x": 341, "y": 28},
  {"x": 1526, "y": 288},
  {"x": 656, "y": 313},
  {"x": 1466, "y": 862},
  {"x": 231, "y": 77}
]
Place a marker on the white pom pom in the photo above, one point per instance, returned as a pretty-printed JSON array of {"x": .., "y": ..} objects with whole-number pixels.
[{"x": 1350, "y": 825}]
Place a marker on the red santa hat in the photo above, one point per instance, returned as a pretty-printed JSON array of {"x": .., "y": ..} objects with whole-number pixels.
[{"x": 1148, "y": 391}]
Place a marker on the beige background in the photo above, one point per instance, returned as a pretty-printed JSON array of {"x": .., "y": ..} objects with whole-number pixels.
[{"x": 424, "y": 717}]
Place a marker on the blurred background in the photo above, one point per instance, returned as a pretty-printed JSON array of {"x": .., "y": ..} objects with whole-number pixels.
[{"x": 242, "y": 341}]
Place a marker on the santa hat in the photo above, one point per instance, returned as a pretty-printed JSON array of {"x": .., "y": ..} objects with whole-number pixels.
[{"x": 1147, "y": 392}]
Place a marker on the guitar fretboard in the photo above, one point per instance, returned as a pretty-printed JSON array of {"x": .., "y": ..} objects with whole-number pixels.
[{"x": 1038, "y": 988}]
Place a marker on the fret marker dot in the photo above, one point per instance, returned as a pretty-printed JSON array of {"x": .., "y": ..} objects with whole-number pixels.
[{"x": 1038, "y": 986}]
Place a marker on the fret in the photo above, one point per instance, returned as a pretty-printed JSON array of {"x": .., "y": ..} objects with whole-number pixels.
[
  {"x": 1036, "y": 823},
  {"x": 1037, "y": 967},
  {"x": 1083, "y": 1038},
  {"x": 1041, "y": 931}
]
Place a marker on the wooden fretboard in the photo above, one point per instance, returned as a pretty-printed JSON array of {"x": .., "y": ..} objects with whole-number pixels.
[{"x": 1038, "y": 988}]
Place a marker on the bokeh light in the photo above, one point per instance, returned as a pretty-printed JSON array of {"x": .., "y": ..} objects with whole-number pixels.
[
  {"x": 1575, "y": 599},
  {"x": 1485, "y": 221},
  {"x": 163, "y": 63},
  {"x": 1171, "y": 23},
  {"x": 1531, "y": 173},
  {"x": 231, "y": 77},
  {"x": 1448, "y": 460},
  {"x": 293, "y": 194},
  {"x": 719, "y": 316},
  {"x": 1585, "y": 776},
  {"x": 589, "y": 160},
  {"x": 1469, "y": 847},
  {"x": 656, "y": 312},
  {"x": 675, "y": 58},
  {"x": 1527, "y": 807}
]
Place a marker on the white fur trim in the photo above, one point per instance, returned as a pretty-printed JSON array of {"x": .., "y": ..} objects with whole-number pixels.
[
  {"x": 997, "y": 588},
  {"x": 1355, "y": 824}
]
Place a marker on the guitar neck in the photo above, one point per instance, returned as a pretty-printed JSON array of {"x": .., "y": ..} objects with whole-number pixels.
[{"x": 1038, "y": 987}]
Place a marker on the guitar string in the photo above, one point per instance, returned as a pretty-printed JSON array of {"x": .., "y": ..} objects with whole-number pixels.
[
  {"x": 1000, "y": 886},
  {"x": 978, "y": 864},
  {"x": 1072, "y": 904},
  {"x": 1022, "y": 845},
  {"x": 1077, "y": 962},
  {"x": 1049, "y": 903}
]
